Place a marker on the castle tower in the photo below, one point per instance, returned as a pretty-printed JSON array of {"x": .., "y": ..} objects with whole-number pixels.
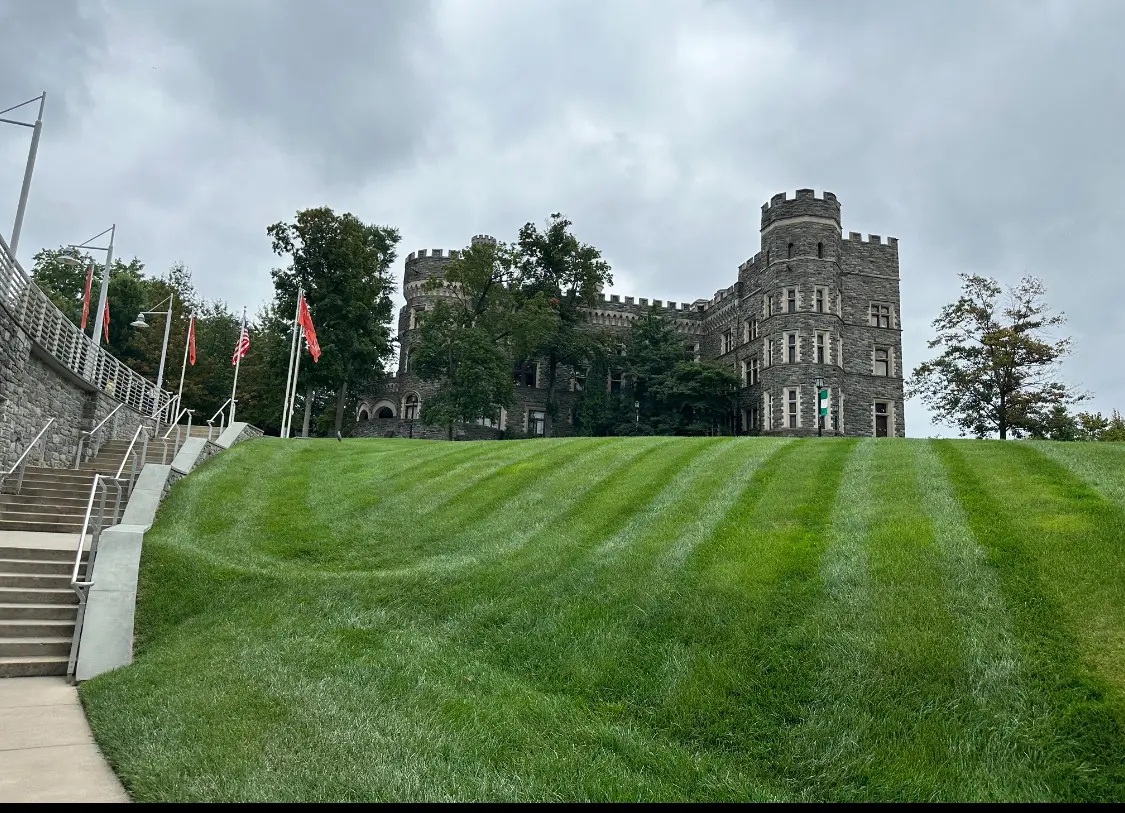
[{"x": 827, "y": 308}]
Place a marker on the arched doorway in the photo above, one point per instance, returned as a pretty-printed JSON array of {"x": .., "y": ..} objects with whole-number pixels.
[{"x": 411, "y": 407}]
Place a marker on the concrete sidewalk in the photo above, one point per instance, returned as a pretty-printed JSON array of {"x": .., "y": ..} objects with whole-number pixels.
[{"x": 47, "y": 752}]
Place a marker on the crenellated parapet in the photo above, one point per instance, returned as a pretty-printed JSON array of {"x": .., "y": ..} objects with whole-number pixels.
[{"x": 805, "y": 205}]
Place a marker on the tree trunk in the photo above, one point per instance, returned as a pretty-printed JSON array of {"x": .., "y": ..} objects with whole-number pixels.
[
  {"x": 340, "y": 397},
  {"x": 1003, "y": 422},
  {"x": 309, "y": 394},
  {"x": 449, "y": 431},
  {"x": 552, "y": 407}
]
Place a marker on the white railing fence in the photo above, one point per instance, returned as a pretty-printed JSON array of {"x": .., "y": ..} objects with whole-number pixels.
[{"x": 55, "y": 333}]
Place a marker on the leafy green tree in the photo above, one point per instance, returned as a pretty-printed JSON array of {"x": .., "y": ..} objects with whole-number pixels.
[
  {"x": 696, "y": 398},
  {"x": 467, "y": 340},
  {"x": 569, "y": 275},
  {"x": 344, "y": 266},
  {"x": 997, "y": 371},
  {"x": 654, "y": 347}
]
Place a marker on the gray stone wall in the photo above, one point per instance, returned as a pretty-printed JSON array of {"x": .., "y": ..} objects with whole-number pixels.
[
  {"x": 395, "y": 428},
  {"x": 34, "y": 388}
]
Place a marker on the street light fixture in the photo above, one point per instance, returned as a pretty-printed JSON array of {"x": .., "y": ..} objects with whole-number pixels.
[
  {"x": 103, "y": 291},
  {"x": 140, "y": 322},
  {"x": 36, "y": 131}
]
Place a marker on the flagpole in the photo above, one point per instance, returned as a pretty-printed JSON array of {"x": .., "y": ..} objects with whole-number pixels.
[
  {"x": 287, "y": 407},
  {"x": 183, "y": 369},
  {"x": 296, "y": 368},
  {"x": 237, "y": 363}
]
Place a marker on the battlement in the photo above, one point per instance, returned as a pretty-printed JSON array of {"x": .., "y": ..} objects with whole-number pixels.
[
  {"x": 804, "y": 204},
  {"x": 434, "y": 253},
  {"x": 483, "y": 238},
  {"x": 872, "y": 239}
]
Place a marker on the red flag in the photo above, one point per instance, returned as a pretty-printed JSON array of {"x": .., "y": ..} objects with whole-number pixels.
[
  {"x": 191, "y": 341},
  {"x": 304, "y": 319},
  {"x": 105, "y": 319},
  {"x": 86, "y": 298}
]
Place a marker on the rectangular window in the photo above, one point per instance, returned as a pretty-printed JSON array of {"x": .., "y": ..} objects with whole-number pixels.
[
  {"x": 753, "y": 329},
  {"x": 792, "y": 414},
  {"x": 768, "y": 398},
  {"x": 880, "y": 315},
  {"x": 767, "y": 305},
  {"x": 882, "y": 361},
  {"x": 821, "y": 348},
  {"x": 754, "y": 370},
  {"x": 745, "y": 373},
  {"x": 882, "y": 419},
  {"x": 791, "y": 356},
  {"x": 820, "y": 300},
  {"x": 536, "y": 422},
  {"x": 726, "y": 343},
  {"x": 616, "y": 379},
  {"x": 417, "y": 315},
  {"x": 791, "y": 300},
  {"x": 770, "y": 351},
  {"x": 525, "y": 374},
  {"x": 753, "y": 417}
]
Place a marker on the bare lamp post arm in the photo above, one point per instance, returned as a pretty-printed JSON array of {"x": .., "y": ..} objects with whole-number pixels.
[{"x": 36, "y": 131}]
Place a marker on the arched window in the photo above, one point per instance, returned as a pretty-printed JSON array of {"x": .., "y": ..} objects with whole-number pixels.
[
  {"x": 789, "y": 255},
  {"x": 363, "y": 415},
  {"x": 410, "y": 406},
  {"x": 820, "y": 251},
  {"x": 384, "y": 412}
]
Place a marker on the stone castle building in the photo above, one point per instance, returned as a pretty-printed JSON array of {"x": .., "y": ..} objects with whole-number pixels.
[{"x": 811, "y": 303}]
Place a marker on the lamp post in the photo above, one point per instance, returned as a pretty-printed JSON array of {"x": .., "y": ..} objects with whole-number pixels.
[
  {"x": 821, "y": 406},
  {"x": 103, "y": 291},
  {"x": 36, "y": 131},
  {"x": 141, "y": 323}
]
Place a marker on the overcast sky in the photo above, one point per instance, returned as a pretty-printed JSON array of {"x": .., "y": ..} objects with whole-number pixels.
[{"x": 986, "y": 136}]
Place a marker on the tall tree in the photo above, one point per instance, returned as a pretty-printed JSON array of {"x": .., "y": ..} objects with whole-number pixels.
[
  {"x": 696, "y": 399},
  {"x": 569, "y": 274},
  {"x": 653, "y": 349},
  {"x": 344, "y": 266},
  {"x": 467, "y": 340},
  {"x": 998, "y": 370}
]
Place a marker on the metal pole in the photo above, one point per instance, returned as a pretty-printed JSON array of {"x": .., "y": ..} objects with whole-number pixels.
[
  {"x": 163, "y": 356},
  {"x": 287, "y": 407},
  {"x": 237, "y": 362},
  {"x": 37, "y": 129},
  {"x": 183, "y": 368},
  {"x": 104, "y": 290},
  {"x": 296, "y": 370}
]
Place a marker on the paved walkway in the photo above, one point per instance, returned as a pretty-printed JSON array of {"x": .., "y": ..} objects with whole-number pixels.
[{"x": 47, "y": 752}]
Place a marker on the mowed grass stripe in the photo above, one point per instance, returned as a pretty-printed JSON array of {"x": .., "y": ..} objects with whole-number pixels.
[
  {"x": 1000, "y": 750},
  {"x": 1041, "y": 530},
  {"x": 1100, "y": 465}
]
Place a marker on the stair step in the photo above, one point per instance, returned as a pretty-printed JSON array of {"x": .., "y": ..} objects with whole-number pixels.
[
  {"x": 33, "y": 665},
  {"x": 41, "y": 554},
  {"x": 65, "y": 491},
  {"x": 46, "y": 513},
  {"x": 45, "y": 506},
  {"x": 42, "y": 566},
  {"x": 63, "y": 497},
  {"x": 36, "y": 628},
  {"x": 52, "y": 526},
  {"x": 14, "y": 611},
  {"x": 37, "y": 595},
  {"x": 35, "y": 581},
  {"x": 38, "y": 647}
]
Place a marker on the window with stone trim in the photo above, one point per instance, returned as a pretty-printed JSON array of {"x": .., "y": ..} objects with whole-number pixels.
[
  {"x": 616, "y": 381},
  {"x": 755, "y": 375},
  {"x": 793, "y": 408},
  {"x": 880, "y": 315},
  {"x": 820, "y": 251},
  {"x": 411, "y": 407},
  {"x": 767, "y": 305},
  {"x": 882, "y": 365},
  {"x": 767, "y": 406},
  {"x": 792, "y": 347},
  {"x": 417, "y": 316},
  {"x": 525, "y": 374},
  {"x": 536, "y": 422},
  {"x": 744, "y": 366},
  {"x": 821, "y": 296},
  {"x": 770, "y": 349},
  {"x": 822, "y": 348},
  {"x": 753, "y": 421},
  {"x": 791, "y": 300},
  {"x": 726, "y": 342},
  {"x": 753, "y": 329}
]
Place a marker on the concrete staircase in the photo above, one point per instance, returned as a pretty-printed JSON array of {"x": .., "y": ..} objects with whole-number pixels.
[
  {"x": 53, "y": 500},
  {"x": 38, "y": 610}
]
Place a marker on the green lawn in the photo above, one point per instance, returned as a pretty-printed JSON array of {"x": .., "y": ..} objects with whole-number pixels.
[{"x": 630, "y": 619}]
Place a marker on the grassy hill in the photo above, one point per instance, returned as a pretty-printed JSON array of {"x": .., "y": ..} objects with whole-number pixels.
[{"x": 649, "y": 619}]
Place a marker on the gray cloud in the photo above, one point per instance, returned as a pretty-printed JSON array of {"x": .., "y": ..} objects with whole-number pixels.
[{"x": 982, "y": 135}]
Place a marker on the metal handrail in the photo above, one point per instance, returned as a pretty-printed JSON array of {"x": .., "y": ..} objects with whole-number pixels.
[
  {"x": 221, "y": 416},
  {"x": 84, "y": 435},
  {"x": 176, "y": 443},
  {"x": 66, "y": 343},
  {"x": 129, "y": 451},
  {"x": 164, "y": 410},
  {"x": 21, "y": 463},
  {"x": 82, "y": 586}
]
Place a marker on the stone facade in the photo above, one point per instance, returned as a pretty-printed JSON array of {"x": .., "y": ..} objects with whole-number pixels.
[
  {"x": 811, "y": 303},
  {"x": 34, "y": 388}
]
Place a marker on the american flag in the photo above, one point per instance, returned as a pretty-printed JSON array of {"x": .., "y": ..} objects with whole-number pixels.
[{"x": 243, "y": 344}]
